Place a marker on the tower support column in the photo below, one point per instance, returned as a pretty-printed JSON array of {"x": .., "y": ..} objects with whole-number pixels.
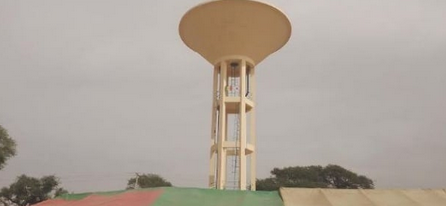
[
  {"x": 242, "y": 132},
  {"x": 252, "y": 131},
  {"x": 214, "y": 134},
  {"x": 221, "y": 151}
]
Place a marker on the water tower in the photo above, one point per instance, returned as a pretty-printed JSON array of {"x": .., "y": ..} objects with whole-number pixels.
[{"x": 234, "y": 36}]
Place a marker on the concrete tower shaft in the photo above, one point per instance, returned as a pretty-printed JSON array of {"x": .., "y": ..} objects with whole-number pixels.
[{"x": 233, "y": 134}]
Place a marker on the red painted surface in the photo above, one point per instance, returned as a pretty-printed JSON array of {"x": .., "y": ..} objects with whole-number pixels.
[
  {"x": 54, "y": 203},
  {"x": 134, "y": 198}
]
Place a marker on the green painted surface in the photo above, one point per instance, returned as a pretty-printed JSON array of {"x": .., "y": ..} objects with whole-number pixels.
[
  {"x": 81, "y": 196},
  {"x": 73, "y": 196},
  {"x": 209, "y": 197}
]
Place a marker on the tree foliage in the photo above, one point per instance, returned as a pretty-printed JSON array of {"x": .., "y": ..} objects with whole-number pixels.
[
  {"x": 29, "y": 190},
  {"x": 148, "y": 180},
  {"x": 7, "y": 147},
  {"x": 331, "y": 176}
]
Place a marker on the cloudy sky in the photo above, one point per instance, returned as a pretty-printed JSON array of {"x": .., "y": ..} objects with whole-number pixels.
[{"x": 93, "y": 91}]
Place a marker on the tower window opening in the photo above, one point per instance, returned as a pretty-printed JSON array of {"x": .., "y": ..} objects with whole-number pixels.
[{"x": 233, "y": 79}]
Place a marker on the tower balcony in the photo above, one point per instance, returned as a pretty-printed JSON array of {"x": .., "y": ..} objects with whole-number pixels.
[{"x": 233, "y": 147}]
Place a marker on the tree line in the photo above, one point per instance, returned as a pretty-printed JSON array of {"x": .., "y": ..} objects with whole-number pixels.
[
  {"x": 26, "y": 190},
  {"x": 330, "y": 176}
]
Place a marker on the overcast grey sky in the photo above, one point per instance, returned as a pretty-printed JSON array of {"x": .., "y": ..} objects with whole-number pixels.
[{"x": 93, "y": 91}]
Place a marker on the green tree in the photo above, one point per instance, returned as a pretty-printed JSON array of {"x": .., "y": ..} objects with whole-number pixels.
[
  {"x": 60, "y": 191},
  {"x": 7, "y": 147},
  {"x": 29, "y": 190},
  {"x": 147, "y": 180},
  {"x": 331, "y": 176},
  {"x": 338, "y": 177}
]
